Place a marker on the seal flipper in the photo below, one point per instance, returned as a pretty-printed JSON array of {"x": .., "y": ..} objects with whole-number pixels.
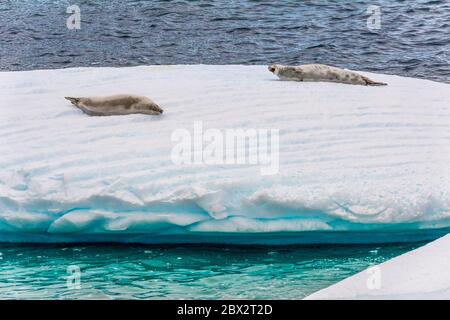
[
  {"x": 74, "y": 101},
  {"x": 77, "y": 103},
  {"x": 373, "y": 83}
]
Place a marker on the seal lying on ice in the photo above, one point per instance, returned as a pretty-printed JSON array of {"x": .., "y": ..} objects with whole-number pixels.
[
  {"x": 321, "y": 72},
  {"x": 116, "y": 105}
]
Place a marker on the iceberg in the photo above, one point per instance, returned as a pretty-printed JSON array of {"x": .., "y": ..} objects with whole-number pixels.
[
  {"x": 355, "y": 164},
  {"x": 418, "y": 274}
]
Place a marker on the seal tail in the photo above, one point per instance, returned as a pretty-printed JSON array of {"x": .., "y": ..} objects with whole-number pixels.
[
  {"x": 373, "y": 83},
  {"x": 74, "y": 101}
]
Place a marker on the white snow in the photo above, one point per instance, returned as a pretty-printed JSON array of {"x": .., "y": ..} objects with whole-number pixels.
[
  {"x": 419, "y": 274},
  {"x": 353, "y": 159}
]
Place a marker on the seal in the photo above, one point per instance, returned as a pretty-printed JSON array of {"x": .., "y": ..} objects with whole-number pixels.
[
  {"x": 116, "y": 105},
  {"x": 321, "y": 72}
]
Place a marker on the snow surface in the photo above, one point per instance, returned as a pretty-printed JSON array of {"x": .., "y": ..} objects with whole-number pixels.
[
  {"x": 355, "y": 161},
  {"x": 419, "y": 274}
]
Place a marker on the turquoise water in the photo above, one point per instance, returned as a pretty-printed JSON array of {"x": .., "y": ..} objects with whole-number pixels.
[{"x": 180, "y": 272}]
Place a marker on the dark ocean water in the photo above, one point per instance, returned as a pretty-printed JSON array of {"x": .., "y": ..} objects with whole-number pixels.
[{"x": 414, "y": 38}]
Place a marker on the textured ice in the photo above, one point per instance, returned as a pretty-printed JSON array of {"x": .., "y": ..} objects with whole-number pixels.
[{"x": 355, "y": 162}]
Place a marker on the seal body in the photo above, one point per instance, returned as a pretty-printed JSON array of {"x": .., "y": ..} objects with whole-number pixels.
[
  {"x": 321, "y": 72},
  {"x": 116, "y": 105}
]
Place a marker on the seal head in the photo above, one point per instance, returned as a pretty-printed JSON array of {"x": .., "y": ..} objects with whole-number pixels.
[{"x": 274, "y": 68}]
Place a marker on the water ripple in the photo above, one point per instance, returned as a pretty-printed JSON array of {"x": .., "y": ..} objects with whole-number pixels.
[
  {"x": 187, "y": 272},
  {"x": 413, "y": 39}
]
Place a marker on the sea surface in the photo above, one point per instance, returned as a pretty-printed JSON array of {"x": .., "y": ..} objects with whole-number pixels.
[
  {"x": 180, "y": 272},
  {"x": 412, "y": 38}
]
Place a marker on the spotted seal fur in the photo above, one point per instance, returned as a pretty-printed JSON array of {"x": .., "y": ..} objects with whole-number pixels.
[{"x": 321, "y": 72}]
